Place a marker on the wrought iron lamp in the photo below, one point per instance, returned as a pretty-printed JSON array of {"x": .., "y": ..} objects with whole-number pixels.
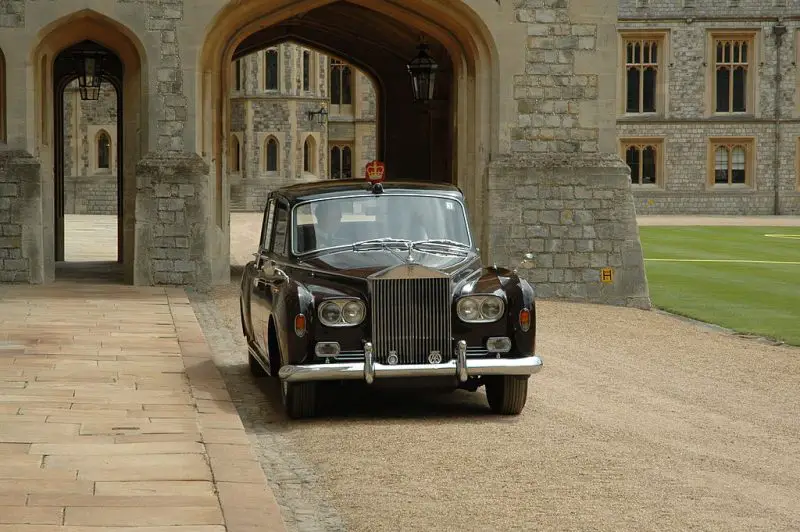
[
  {"x": 423, "y": 73},
  {"x": 321, "y": 114},
  {"x": 91, "y": 75}
]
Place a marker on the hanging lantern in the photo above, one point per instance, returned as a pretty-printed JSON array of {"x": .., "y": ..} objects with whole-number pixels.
[
  {"x": 91, "y": 77},
  {"x": 423, "y": 71}
]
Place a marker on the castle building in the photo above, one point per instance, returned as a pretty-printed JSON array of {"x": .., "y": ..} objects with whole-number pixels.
[
  {"x": 297, "y": 115},
  {"x": 708, "y": 117}
]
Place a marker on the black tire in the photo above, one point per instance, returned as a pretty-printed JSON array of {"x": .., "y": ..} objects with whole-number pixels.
[
  {"x": 507, "y": 394},
  {"x": 255, "y": 367},
  {"x": 299, "y": 399}
]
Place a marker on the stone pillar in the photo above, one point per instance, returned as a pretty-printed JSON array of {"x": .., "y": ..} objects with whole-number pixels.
[
  {"x": 21, "y": 243},
  {"x": 174, "y": 230},
  {"x": 575, "y": 214}
]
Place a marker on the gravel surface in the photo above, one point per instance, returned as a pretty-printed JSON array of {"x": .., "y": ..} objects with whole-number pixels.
[{"x": 639, "y": 420}]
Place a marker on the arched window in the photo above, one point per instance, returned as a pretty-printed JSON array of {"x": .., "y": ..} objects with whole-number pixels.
[
  {"x": 103, "y": 151},
  {"x": 341, "y": 83},
  {"x": 306, "y": 70},
  {"x": 309, "y": 155},
  {"x": 341, "y": 162},
  {"x": 271, "y": 148},
  {"x": 235, "y": 154},
  {"x": 271, "y": 70},
  {"x": 237, "y": 75}
]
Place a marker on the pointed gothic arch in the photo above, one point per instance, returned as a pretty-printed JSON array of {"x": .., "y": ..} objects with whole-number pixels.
[{"x": 89, "y": 26}]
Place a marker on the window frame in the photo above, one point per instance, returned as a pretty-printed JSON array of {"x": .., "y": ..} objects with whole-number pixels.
[
  {"x": 280, "y": 204},
  {"x": 267, "y": 54},
  {"x": 749, "y": 145},
  {"x": 341, "y": 146},
  {"x": 662, "y": 39},
  {"x": 235, "y": 157},
  {"x": 310, "y": 147},
  {"x": 658, "y": 144},
  {"x": 265, "y": 147},
  {"x": 103, "y": 134},
  {"x": 752, "y": 38},
  {"x": 305, "y": 71},
  {"x": 237, "y": 75},
  {"x": 336, "y": 70},
  {"x": 265, "y": 240}
]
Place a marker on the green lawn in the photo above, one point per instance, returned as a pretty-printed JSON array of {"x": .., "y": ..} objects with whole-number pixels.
[{"x": 762, "y": 299}]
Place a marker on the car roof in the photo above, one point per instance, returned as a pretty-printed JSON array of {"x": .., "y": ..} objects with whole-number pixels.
[{"x": 331, "y": 188}]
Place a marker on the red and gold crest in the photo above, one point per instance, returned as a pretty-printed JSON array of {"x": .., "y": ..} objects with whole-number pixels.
[{"x": 375, "y": 171}]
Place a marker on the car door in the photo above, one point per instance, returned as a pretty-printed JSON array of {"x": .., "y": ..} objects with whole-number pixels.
[
  {"x": 259, "y": 291},
  {"x": 273, "y": 271}
]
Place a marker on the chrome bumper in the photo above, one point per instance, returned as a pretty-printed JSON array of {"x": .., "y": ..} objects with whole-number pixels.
[{"x": 461, "y": 368}]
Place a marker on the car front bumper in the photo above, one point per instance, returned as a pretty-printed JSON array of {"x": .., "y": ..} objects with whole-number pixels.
[{"x": 461, "y": 367}]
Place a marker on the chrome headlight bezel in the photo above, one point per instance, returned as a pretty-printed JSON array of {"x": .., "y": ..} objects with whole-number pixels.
[
  {"x": 340, "y": 303},
  {"x": 479, "y": 300}
]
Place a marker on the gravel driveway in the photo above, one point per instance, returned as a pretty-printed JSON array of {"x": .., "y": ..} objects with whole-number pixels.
[{"x": 639, "y": 421}]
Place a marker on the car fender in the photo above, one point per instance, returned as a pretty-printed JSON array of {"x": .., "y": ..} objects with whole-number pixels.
[
  {"x": 292, "y": 299},
  {"x": 517, "y": 293}
]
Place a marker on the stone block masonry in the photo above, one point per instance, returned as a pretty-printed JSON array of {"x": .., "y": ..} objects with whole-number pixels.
[
  {"x": 20, "y": 201},
  {"x": 173, "y": 221},
  {"x": 577, "y": 218}
]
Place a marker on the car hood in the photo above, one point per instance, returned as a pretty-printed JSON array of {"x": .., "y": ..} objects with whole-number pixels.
[{"x": 362, "y": 264}]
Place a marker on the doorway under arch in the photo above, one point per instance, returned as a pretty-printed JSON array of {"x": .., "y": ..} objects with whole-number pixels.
[
  {"x": 380, "y": 38},
  {"x": 88, "y": 28}
]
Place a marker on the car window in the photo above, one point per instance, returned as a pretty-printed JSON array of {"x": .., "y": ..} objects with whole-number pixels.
[
  {"x": 327, "y": 223},
  {"x": 281, "y": 222},
  {"x": 266, "y": 226}
]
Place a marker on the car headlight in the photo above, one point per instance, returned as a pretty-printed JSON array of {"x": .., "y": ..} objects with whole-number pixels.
[
  {"x": 342, "y": 312},
  {"x": 480, "y": 309}
]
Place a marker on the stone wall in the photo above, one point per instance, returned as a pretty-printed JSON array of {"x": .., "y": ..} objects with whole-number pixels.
[
  {"x": 685, "y": 122},
  {"x": 173, "y": 221},
  {"x": 96, "y": 194},
  {"x": 576, "y": 216},
  {"x": 20, "y": 196}
]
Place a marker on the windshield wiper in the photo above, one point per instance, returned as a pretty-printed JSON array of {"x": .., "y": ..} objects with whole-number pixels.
[
  {"x": 380, "y": 243},
  {"x": 441, "y": 246}
]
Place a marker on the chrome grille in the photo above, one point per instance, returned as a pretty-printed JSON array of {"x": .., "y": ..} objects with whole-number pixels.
[{"x": 411, "y": 317}]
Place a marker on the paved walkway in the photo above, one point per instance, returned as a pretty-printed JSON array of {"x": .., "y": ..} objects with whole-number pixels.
[{"x": 112, "y": 414}]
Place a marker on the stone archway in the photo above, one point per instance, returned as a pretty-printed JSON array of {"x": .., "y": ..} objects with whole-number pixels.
[
  {"x": 460, "y": 33},
  {"x": 112, "y": 35}
]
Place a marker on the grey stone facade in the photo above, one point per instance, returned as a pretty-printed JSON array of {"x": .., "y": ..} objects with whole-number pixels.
[
  {"x": 530, "y": 96},
  {"x": 89, "y": 189},
  {"x": 259, "y": 113},
  {"x": 686, "y": 122}
]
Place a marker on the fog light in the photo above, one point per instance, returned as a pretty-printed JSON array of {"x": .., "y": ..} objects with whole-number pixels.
[
  {"x": 498, "y": 344},
  {"x": 327, "y": 349}
]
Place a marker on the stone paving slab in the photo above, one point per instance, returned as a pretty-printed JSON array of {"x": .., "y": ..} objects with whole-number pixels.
[{"x": 114, "y": 417}]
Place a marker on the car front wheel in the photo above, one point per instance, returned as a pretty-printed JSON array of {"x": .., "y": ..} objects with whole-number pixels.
[
  {"x": 507, "y": 394},
  {"x": 299, "y": 398}
]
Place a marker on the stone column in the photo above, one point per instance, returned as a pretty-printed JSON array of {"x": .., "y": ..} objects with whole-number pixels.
[
  {"x": 174, "y": 223},
  {"x": 575, "y": 215},
  {"x": 21, "y": 230}
]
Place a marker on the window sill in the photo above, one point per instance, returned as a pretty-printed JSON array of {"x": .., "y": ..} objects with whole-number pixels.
[
  {"x": 730, "y": 188},
  {"x": 646, "y": 186}
]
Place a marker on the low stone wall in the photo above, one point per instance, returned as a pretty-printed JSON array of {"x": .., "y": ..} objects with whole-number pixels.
[
  {"x": 95, "y": 194},
  {"x": 720, "y": 203},
  {"x": 575, "y": 214}
]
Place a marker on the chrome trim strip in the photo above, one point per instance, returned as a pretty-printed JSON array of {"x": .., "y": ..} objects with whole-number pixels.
[{"x": 359, "y": 370}]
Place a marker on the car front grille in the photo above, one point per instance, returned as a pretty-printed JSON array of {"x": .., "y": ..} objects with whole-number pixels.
[{"x": 411, "y": 317}]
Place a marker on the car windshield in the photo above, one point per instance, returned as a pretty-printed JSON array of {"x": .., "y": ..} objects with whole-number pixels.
[{"x": 379, "y": 219}]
